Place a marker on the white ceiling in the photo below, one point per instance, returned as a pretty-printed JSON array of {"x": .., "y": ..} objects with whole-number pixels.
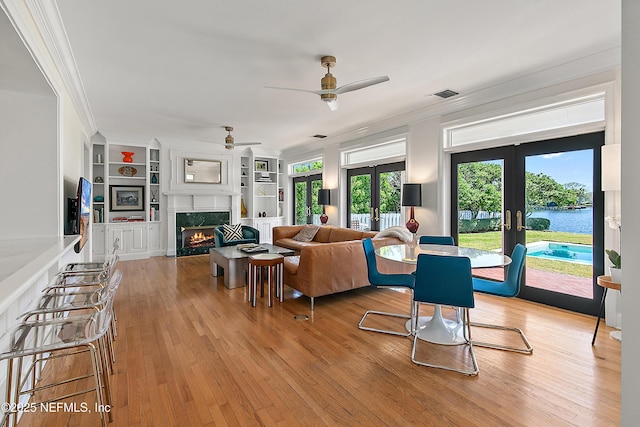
[{"x": 179, "y": 71}]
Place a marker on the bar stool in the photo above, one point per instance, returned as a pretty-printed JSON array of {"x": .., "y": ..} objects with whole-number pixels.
[{"x": 274, "y": 266}]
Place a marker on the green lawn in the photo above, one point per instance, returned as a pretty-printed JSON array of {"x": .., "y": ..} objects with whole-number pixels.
[{"x": 493, "y": 240}]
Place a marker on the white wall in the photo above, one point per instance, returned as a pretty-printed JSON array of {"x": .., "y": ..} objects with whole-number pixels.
[
  {"x": 630, "y": 208},
  {"x": 28, "y": 166}
]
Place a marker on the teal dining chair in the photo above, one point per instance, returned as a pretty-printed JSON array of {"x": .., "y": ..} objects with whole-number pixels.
[
  {"x": 436, "y": 240},
  {"x": 378, "y": 279},
  {"x": 445, "y": 280},
  {"x": 509, "y": 288}
]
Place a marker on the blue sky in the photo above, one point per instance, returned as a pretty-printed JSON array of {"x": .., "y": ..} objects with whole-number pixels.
[{"x": 573, "y": 166}]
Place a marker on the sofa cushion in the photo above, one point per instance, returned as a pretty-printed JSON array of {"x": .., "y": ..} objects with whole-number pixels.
[
  {"x": 307, "y": 233},
  {"x": 344, "y": 234},
  {"x": 232, "y": 232},
  {"x": 323, "y": 234}
]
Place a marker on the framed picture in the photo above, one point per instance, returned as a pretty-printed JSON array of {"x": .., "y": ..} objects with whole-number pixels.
[
  {"x": 127, "y": 198},
  {"x": 261, "y": 165}
]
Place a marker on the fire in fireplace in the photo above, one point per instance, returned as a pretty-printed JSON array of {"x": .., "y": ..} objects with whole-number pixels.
[{"x": 194, "y": 237}]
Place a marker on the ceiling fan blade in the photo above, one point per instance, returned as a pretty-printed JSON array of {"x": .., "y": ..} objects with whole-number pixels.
[
  {"x": 333, "y": 105},
  {"x": 247, "y": 143},
  {"x": 360, "y": 84},
  {"x": 212, "y": 142},
  {"x": 316, "y": 92}
]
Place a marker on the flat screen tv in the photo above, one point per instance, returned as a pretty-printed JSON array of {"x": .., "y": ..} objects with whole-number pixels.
[{"x": 83, "y": 212}]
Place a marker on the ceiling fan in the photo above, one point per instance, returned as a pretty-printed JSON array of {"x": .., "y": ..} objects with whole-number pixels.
[
  {"x": 229, "y": 142},
  {"x": 329, "y": 92}
]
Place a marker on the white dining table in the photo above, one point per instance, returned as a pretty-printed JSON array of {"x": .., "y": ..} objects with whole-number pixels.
[{"x": 436, "y": 328}]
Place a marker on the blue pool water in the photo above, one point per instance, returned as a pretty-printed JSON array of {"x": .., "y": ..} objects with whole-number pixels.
[{"x": 579, "y": 254}]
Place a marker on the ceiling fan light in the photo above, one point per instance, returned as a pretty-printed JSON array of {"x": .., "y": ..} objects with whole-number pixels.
[{"x": 328, "y": 97}]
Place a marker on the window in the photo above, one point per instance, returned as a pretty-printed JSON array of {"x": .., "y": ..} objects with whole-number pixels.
[
  {"x": 306, "y": 166},
  {"x": 582, "y": 111},
  {"x": 390, "y": 150}
]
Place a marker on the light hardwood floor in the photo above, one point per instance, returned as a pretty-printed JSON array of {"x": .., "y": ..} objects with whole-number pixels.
[{"x": 192, "y": 353}]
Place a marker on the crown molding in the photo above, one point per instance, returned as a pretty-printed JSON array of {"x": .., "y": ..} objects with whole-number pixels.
[{"x": 46, "y": 16}]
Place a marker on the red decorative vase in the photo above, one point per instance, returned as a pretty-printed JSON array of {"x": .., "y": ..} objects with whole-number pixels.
[{"x": 128, "y": 156}]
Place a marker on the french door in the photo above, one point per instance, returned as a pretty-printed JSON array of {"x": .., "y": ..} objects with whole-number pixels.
[
  {"x": 305, "y": 199},
  {"x": 374, "y": 196},
  {"x": 545, "y": 195}
]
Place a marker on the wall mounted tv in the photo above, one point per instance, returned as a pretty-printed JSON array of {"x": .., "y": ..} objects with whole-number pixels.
[{"x": 78, "y": 211}]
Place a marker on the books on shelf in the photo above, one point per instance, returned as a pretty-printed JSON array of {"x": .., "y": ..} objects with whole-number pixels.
[{"x": 98, "y": 215}]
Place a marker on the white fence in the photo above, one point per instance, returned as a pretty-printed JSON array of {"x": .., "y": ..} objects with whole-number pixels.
[
  {"x": 479, "y": 215},
  {"x": 363, "y": 221}
]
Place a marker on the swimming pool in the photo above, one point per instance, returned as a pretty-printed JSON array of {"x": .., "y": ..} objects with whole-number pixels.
[{"x": 569, "y": 252}]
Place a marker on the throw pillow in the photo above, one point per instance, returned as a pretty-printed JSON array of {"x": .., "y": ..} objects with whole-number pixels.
[
  {"x": 398, "y": 231},
  {"x": 232, "y": 232},
  {"x": 307, "y": 233}
]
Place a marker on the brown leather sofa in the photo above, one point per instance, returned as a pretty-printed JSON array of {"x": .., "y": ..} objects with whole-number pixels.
[{"x": 332, "y": 262}]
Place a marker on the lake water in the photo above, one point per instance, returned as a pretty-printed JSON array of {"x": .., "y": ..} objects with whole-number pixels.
[{"x": 572, "y": 221}]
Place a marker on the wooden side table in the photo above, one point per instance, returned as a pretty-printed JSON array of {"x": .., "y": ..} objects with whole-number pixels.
[{"x": 606, "y": 283}]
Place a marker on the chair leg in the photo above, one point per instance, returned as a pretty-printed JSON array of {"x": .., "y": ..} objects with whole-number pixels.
[
  {"x": 404, "y": 333},
  {"x": 527, "y": 350},
  {"x": 468, "y": 343}
]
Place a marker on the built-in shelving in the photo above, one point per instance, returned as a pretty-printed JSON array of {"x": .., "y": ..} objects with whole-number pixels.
[
  {"x": 126, "y": 168},
  {"x": 261, "y": 191}
]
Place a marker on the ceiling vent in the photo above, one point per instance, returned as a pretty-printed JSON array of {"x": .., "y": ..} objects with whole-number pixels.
[
  {"x": 319, "y": 136},
  {"x": 447, "y": 93}
]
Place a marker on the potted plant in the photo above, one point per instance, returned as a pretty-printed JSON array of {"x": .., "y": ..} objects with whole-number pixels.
[
  {"x": 615, "y": 222},
  {"x": 616, "y": 260}
]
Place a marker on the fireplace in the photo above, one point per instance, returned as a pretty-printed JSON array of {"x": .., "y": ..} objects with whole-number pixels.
[{"x": 194, "y": 231}]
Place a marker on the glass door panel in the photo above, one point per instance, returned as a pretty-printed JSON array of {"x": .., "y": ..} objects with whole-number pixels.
[
  {"x": 300, "y": 211},
  {"x": 558, "y": 217},
  {"x": 389, "y": 189},
  {"x": 360, "y": 203},
  {"x": 316, "y": 209},
  {"x": 479, "y": 209}
]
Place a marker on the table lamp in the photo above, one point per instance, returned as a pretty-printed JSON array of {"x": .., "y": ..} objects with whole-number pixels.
[
  {"x": 324, "y": 198},
  {"x": 412, "y": 196}
]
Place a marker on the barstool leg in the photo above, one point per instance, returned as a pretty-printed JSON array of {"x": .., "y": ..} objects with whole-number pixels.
[
  {"x": 249, "y": 280},
  {"x": 255, "y": 285},
  {"x": 269, "y": 284},
  {"x": 281, "y": 281}
]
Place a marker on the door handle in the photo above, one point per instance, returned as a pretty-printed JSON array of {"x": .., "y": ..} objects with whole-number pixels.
[
  {"x": 377, "y": 217},
  {"x": 519, "y": 225},
  {"x": 372, "y": 216},
  {"x": 507, "y": 223}
]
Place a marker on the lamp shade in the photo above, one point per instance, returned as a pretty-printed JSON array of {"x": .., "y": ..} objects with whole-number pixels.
[
  {"x": 611, "y": 159},
  {"x": 411, "y": 194},
  {"x": 324, "y": 196}
]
